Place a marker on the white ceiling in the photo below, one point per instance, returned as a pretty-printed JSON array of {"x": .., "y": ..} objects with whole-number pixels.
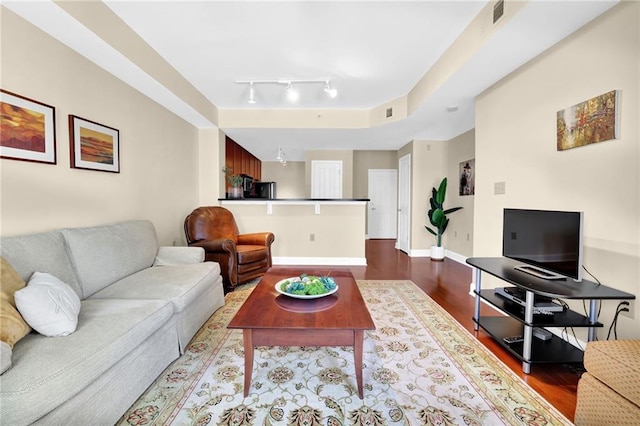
[{"x": 372, "y": 51}]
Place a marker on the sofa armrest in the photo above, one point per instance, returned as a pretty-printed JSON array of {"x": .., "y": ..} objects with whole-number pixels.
[
  {"x": 257, "y": 239},
  {"x": 221, "y": 245},
  {"x": 178, "y": 256}
]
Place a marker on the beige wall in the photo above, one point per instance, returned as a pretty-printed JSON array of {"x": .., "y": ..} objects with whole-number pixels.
[
  {"x": 290, "y": 179},
  {"x": 459, "y": 234},
  {"x": 210, "y": 156},
  {"x": 363, "y": 161},
  {"x": 347, "y": 169},
  {"x": 430, "y": 162},
  {"x": 429, "y": 166},
  {"x": 516, "y": 144},
  {"x": 159, "y": 176}
]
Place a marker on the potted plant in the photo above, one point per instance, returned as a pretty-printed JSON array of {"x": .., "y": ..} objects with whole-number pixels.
[
  {"x": 234, "y": 190},
  {"x": 438, "y": 218}
]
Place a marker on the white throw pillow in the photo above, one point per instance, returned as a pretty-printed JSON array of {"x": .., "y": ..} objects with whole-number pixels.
[{"x": 48, "y": 305}]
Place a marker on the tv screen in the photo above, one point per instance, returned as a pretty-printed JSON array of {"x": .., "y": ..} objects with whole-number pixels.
[{"x": 548, "y": 240}]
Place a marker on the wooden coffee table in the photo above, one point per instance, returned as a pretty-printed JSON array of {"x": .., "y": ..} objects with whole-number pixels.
[{"x": 268, "y": 318}]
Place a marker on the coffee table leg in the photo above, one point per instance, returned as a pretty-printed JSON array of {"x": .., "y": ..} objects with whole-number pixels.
[
  {"x": 357, "y": 354},
  {"x": 248, "y": 359}
]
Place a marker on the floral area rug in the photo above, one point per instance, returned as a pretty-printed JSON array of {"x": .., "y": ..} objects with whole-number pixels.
[{"x": 420, "y": 367}]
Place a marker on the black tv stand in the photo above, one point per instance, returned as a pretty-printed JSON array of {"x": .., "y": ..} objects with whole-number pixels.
[{"x": 520, "y": 322}]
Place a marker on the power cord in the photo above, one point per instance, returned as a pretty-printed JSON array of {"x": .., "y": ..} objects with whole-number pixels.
[
  {"x": 592, "y": 276},
  {"x": 565, "y": 336},
  {"x": 622, "y": 307},
  {"x": 565, "y": 331}
]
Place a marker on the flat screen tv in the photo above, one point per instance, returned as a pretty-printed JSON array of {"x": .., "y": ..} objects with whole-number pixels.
[{"x": 548, "y": 243}]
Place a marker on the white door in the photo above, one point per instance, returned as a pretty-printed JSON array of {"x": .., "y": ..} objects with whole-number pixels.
[
  {"x": 404, "y": 202},
  {"x": 383, "y": 203},
  {"x": 326, "y": 179}
]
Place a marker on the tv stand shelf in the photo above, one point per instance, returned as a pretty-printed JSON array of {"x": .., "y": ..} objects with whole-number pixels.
[
  {"x": 521, "y": 321},
  {"x": 566, "y": 318}
]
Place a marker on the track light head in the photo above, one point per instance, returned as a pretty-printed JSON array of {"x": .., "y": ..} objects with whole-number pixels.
[
  {"x": 292, "y": 93},
  {"x": 331, "y": 91},
  {"x": 252, "y": 93}
]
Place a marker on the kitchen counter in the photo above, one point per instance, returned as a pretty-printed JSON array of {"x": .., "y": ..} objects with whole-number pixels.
[
  {"x": 308, "y": 231},
  {"x": 289, "y": 200},
  {"x": 316, "y": 202}
]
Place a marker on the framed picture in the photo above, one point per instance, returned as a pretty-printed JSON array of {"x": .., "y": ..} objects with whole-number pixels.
[
  {"x": 27, "y": 129},
  {"x": 467, "y": 177},
  {"x": 94, "y": 146},
  {"x": 592, "y": 121}
]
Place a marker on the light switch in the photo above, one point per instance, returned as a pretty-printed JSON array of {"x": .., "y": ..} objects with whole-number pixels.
[{"x": 499, "y": 188}]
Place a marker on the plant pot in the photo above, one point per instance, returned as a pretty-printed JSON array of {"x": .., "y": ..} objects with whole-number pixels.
[
  {"x": 235, "y": 192},
  {"x": 437, "y": 253}
]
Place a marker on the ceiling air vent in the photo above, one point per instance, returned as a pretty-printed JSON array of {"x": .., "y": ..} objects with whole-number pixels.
[
  {"x": 498, "y": 10},
  {"x": 389, "y": 112}
]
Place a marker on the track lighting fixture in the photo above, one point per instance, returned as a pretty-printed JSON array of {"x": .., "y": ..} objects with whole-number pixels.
[
  {"x": 330, "y": 90},
  {"x": 281, "y": 157},
  {"x": 292, "y": 93}
]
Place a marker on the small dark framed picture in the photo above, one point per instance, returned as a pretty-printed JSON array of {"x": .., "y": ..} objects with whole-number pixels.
[
  {"x": 27, "y": 129},
  {"x": 94, "y": 146}
]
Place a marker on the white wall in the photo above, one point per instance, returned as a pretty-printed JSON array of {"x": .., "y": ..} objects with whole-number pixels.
[
  {"x": 159, "y": 176},
  {"x": 516, "y": 144}
]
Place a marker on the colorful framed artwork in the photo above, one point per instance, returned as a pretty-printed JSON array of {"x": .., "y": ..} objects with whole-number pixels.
[
  {"x": 27, "y": 129},
  {"x": 94, "y": 146},
  {"x": 589, "y": 122},
  {"x": 467, "y": 177}
]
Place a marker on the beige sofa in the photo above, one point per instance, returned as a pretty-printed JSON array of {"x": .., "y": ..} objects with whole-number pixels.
[
  {"x": 609, "y": 392},
  {"x": 140, "y": 306}
]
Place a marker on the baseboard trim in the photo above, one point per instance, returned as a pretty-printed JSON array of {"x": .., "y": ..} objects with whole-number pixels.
[
  {"x": 447, "y": 253},
  {"x": 339, "y": 261}
]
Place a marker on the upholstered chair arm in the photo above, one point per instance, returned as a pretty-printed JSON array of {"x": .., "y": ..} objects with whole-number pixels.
[
  {"x": 257, "y": 239},
  {"x": 216, "y": 246},
  {"x": 170, "y": 255}
]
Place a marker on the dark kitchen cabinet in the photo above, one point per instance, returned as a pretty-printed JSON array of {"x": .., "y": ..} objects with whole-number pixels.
[{"x": 242, "y": 161}]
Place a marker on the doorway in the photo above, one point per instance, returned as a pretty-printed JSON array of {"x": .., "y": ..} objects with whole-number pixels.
[
  {"x": 382, "y": 215},
  {"x": 326, "y": 179}
]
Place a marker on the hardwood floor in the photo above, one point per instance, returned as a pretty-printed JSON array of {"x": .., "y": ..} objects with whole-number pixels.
[{"x": 447, "y": 282}]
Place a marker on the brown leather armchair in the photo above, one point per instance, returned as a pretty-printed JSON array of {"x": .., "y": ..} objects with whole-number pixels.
[{"x": 242, "y": 257}]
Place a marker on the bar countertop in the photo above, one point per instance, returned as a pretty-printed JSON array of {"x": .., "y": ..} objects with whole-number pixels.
[{"x": 290, "y": 200}]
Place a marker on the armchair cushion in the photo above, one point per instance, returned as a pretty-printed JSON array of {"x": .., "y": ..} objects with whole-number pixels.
[{"x": 251, "y": 254}]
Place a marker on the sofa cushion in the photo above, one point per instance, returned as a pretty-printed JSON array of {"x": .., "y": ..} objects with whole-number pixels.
[
  {"x": 45, "y": 252},
  {"x": 616, "y": 363},
  {"x": 48, "y": 371},
  {"x": 181, "y": 284},
  {"x": 598, "y": 405},
  {"x": 102, "y": 255},
  {"x": 48, "y": 305}
]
